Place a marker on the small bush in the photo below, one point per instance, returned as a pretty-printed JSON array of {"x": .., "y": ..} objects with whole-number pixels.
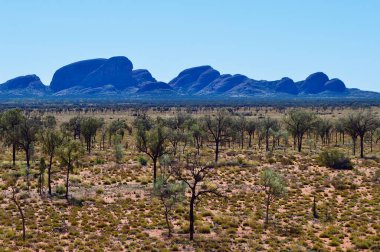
[
  {"x": 240, "y": 160},
  {"x": 271, "y": 160},
  {"x": 76, "y": 201},
  {"x": 60, "y": 189},
  {"x": 118, "y": 153},
  {"x": 75, "y": 179},
  {"x": 335, "y": 159},
  {"x": 204, "y": 229},
  {"x": 143, "y": 161},
  {"x": 100, "y": 161},
  {"x": 339, "y": 183},
  {"x": 376, "y": 177},
  {"x": 230, "y": 163},
  {"x": 185, "y": 228},
  {"x": 286, "y": 161}
]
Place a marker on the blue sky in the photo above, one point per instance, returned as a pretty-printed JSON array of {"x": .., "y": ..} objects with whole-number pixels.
[{"x": 261, "y": 39}]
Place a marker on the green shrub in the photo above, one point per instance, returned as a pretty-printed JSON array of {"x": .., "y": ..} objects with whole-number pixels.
[
  {"x": 118, "y": 153},
  {"x": 204, "y": 229},
  {"x": 99, "y": 191},
  {"x": 143, "y": 161},
  {"x": 330, "y": 232},
  {"x": 75, "y": 179},
  {"x": 60, "y": 189},
  {"x": 100, "y": 161},
  {"x": 376, "y": 177},
  {"x": 76, "y": 201},
  {"x": 334, "y": 159},
  {"x": 229, "y": 163},
  {"x": 339, "y": 182},
  {"x": 271, "y": 160},
  {"x": 362, "y": 243},
  {"x": 185, "y": 228},
  {"x": 286, "y": 161}
]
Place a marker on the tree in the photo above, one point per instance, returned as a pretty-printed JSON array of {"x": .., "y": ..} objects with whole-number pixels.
[
  {"x": 11, "y": 181},
  {"x": 49, "y": 122},
  {"x": 51, "y": 140},
  {"x": 27, "y": 132},
  {"x": 268, "y": 124},
  {"x": 339, "y": 128},
  {"x": 273, "y": 186},
  {"x": 260, "y": 133},
  {"x": 143, "y": 121},
  {"x": 232, "y": 133},
  {"x": 314, "y": 208},
  {"x": 372, "y": 134},
  {"x": 195, "y": 174},
  {"x": 74, "y": 126},
  {"x": 350, "y": 128},
  {"x": 178, "y": 122},
  {"x": 89, "y": 126},
  {"x": 69, "y": 154},
  {"x": 118, "y": 149},
  {"x": 41, "y": 175},
  {"x": 277, "y": 135},
  {"x": 117, "y": 127},
  {"x": 152, "y": 143},
  {"x": 323, "y": 129},
  {"x": 170, "y": 193},
  {"x": 251, "y": 128},
  {"x": 103, "y": 135},
  {"x": 298, "y": 122},
  {"x": 363, "y": 122},
  {"x": 197, "y": 134},
  {"x": 65, "y": 130},
  {"x": 179, "y": 127},
  {"x": 241, "y": 125},
  {"x": 175, "y": 138},
  {"x": 10, "y": 121},
  {"x": 377, "y": 135},
  {"x": 216, "y": 127}
]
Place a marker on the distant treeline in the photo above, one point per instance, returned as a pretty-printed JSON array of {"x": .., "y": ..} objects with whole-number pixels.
[{"x": 118, "y": 103}]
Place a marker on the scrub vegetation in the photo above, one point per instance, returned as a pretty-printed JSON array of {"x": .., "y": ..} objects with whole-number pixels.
[{"x": 190, "y": 179}]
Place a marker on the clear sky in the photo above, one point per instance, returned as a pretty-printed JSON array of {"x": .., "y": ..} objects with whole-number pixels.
[{"x": 264, "y": 39}]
